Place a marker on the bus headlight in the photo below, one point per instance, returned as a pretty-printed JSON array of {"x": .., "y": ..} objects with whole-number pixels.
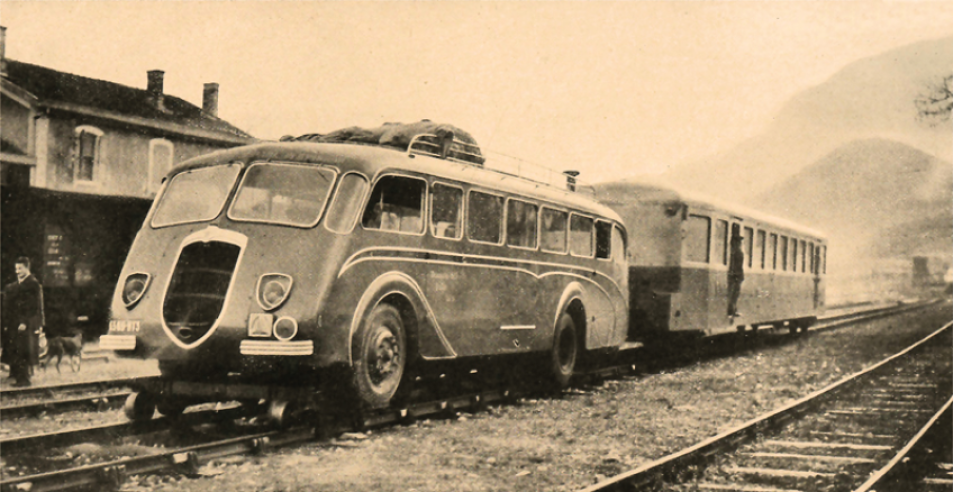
[
  {"x": 286, "y": 328},
  {"x": 273, "y": 290},
  {"x": 135, "y": 286}
]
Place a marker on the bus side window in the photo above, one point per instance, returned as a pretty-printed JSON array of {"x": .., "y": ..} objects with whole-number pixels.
[
  {"x": 446, "y": 215},
  {"x": 484, "y": 223},
  {"x": 396, "y": 205},
  {"x": 347, "y": 202},
  {"x": 580, "y": 236},
  {"x": 618, "y": 245},
  {"x": 521, "y": 224},
  {"x": 554, "y": 230},
  {"x": 603, "y": 239}
]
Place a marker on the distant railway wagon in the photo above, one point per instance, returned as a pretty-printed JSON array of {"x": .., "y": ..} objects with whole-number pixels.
[
  {"x": 300, "y": 263},
  {"x": 679, "y": 255}
]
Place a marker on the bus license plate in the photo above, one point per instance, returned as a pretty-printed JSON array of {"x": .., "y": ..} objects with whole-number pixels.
[{"x": 124, "y": 326}]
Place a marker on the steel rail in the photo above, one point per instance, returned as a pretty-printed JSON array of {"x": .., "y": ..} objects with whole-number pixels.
[
  {"x": 102, "y": 401},
  {"x": 74, "y": 387},
  {"x": 654, "y": 471},
  {"x": 884, "y": 473},
  {"x": 106, "y": 431}
]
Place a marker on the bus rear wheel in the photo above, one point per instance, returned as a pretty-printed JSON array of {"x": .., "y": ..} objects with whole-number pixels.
[
  {"x": 565, "y": 352},
  {"x": 379, "y": 356}
]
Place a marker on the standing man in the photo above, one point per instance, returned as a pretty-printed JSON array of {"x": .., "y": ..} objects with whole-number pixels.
[
  {"x": 22, "y": 322},
  {"x": 736, "y": 274}
]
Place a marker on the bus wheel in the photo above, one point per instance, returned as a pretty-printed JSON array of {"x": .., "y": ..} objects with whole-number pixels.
[
  {"x": 565, "y": 351},
  {"x": 380, "y": 357},
  {"x": 171, "y": 407},
  {"x": 139, "y": 406}
]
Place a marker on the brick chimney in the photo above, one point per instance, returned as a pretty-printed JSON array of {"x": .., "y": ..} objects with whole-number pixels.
[
  {"x": 3, "y": 50},
  {"x": 155, "y": 88},
  {"x": 210, "y": 98}
]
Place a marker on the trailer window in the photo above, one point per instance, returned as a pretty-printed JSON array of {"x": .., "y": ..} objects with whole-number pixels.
[
  {"x": 720, "y": 252},
  {"x": 195, "y": 196},
  {"x": 810, "y": 254},
  {"x": 824, "y": 258},
  {"x": 803, "y": 256},
  {"x": 521, "y": 224},
  {"x": 342, "y": 214},
  {"x": 784, "y": 253},
  {"x": 793, "y": 255},
  {"x": 446, "y": 214},
  {"x": 396, "y": 205},
  {"x": 485, "y": 220},
  {"x": 749, "y": 246},
  {"x": 603, "y": 239},
  {"x": 580, "y": 235},
  {"x": 759, "y": 251},
  {"x": 554, "y": 230},
  {"x": 774, "y": 251},
  {"x": 697, "y": 233}
]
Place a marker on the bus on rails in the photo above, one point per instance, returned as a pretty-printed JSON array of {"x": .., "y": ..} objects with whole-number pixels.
[{"x": 355, "y": 266}]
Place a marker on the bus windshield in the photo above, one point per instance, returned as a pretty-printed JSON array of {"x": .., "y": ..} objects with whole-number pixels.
[
  {"x": 284, "y": 194},
  {"x": 195, "y": 196}
]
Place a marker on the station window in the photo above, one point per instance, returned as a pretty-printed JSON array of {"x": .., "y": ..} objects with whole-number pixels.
[
  {"x": 521, "y": 224},
  {"x": 774, "y": 251},
  {"x": 347, "y": 203},
  {"x": 580, "y": 235},
  {"x": 603, "y": 239},
  {"x": 759, "y": 251},
  {"x": 749, "y": 246},
  {"x": 485, "y": 221},
  {"x": 697, "y": 233},
  {"x": 784, "y": 253},
  {"x": 553, "y": 230},
  {"x": 87, "y": 150},
  {"x": 396, "y": 205},
  {"x": 446, "y": 211},
  {"x": 720, "y": 253}
]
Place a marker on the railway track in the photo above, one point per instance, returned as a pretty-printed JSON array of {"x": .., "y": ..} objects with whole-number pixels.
[
  {"x": 846, "y": 437},
  {"x": 186, "y": 459}
]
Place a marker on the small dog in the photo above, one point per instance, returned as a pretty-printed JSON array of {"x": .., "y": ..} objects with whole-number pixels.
[{"x": 69, "y": 347}]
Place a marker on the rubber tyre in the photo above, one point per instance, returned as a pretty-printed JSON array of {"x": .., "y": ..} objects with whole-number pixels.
[
  {"x": 139, "y": 407},
  {"x": 171, "y": 407},
  {"x": 565, "y": 353},
  {"x": 379, "y": 354}
]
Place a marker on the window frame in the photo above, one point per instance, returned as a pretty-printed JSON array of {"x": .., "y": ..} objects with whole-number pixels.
[
  {"x": 362, "y": 200},
  {"x": 95, "y": 171},
  {"x": 708, "y": 239},
  {"x": 595, "y": 239},
  {"x": 335, "y": 172},
  {"x": 469, "y": 209},
  {"x": 761, "y": 236},
  {"x": 784, "y": 252},
  {"x": 506, "y": 217},
  {"x": 565, "y": 251},
  {"x": 463, "y": 209},
  {"x": 423, "y": 203},
  {"x": 723, "y": 261},
  {"x": 222, "y": 207},
  {"x": 592, "y": 235}
]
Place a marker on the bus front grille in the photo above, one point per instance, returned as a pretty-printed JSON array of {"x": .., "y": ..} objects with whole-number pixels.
[{"x": 198, "y": 288}]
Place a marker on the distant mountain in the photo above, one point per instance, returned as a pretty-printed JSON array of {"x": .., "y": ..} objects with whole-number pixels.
[
  {"x": 870, "y": 98},
  {"x": 874, "y": 198}
]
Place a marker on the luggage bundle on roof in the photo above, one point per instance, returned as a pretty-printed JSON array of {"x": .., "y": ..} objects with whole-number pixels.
[{"x": 424, "y": 137}]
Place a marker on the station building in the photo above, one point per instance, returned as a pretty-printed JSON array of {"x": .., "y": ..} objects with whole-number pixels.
[{"x": 81, "y": 161}]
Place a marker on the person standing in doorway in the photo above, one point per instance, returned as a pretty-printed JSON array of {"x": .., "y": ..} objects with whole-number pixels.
[
  {"x": 736, "y": 274},
  {"x": 22, "y": 322}
]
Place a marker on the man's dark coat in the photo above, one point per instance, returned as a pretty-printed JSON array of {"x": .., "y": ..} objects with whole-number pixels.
[{"x": 22, "y": 303}]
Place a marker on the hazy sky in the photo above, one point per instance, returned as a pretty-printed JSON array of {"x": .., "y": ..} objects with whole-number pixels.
[{"x": 610, "y": 88}]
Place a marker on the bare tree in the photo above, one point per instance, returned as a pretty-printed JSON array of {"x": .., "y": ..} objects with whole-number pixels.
[{"x": 935, "y": 107}]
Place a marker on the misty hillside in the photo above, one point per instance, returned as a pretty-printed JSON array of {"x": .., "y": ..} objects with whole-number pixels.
[
  {"x": 873, "y": 197},
  {"x": 870, "y": 98}
]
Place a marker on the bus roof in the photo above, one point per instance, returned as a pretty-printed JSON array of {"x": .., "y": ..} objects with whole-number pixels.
[
  {"x": 372, "y": 160},
  {"x": 626, "y": 191}
]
